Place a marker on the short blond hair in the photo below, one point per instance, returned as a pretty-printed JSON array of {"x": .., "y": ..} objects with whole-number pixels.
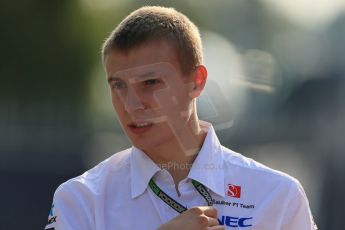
[{"x": 151, "y": 23}]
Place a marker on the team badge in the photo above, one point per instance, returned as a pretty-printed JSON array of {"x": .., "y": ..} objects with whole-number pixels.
[{"x": 234, "y": 191}]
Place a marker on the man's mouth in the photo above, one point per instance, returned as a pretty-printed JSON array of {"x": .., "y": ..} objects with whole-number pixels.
[
  {"x": 140, "y": 124},
  {"x": 140, "y": 127}
]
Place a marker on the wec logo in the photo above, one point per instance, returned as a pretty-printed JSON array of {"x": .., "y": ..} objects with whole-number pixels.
[{"x": 235, "y": 222}]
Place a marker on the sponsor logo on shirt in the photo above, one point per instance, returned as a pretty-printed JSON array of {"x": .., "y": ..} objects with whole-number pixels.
[
  {"x": 234, "y": 191},
  {"x": 51, "y": 211},
  {"x": 232, "y": 204},
  {"x": 51, "y": 217},
  {"x": 52, "y": 220},
  {"x": 236, "y": 222}
]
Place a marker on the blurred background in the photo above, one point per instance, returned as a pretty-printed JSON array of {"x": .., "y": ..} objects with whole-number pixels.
[{"x": 276, "y": 93}]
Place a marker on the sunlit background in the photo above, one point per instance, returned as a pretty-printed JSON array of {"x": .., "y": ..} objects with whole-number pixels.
[{"x": 276, "y": 93}]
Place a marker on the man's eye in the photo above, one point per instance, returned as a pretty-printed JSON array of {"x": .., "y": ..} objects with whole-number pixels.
[
  {"x": 152, "y": 81},
  {"x": 118, "y": 85}
]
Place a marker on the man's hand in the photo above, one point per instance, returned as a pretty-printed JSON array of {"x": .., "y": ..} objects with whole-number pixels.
[{"x": 196, "y": 218}]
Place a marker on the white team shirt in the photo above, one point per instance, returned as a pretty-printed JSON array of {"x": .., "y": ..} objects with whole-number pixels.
[{"x": 115, "y": 194}]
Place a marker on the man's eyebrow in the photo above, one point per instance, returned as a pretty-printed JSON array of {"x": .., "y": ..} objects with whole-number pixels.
[
  {"x": 134, "y": 79},
  {"x": 143, "y": 77}
]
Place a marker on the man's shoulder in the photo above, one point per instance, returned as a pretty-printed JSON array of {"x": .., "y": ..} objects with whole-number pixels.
[
  {"x": 93, "y": 179},
  {"x": 250, "y": 169}
]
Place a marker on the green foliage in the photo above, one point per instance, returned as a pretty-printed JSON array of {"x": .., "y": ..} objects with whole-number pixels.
[{"x": 45, "y": 55}]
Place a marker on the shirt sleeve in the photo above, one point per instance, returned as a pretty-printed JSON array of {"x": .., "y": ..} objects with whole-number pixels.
[
  {"x": 70, "y": 210},
  {"x": 298, "y": 214}
]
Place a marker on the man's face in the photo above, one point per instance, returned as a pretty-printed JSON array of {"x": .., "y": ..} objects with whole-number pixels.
[{"x": 150, "y": 95}]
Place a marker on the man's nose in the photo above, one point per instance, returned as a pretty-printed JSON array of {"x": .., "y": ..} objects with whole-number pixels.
[{"x": 133, "y": 101}]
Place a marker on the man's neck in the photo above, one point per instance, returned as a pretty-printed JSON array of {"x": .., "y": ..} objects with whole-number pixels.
[{"x": 176, "y": 159}]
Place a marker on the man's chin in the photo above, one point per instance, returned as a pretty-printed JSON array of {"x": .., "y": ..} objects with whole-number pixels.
[
  {"x": 146, "y": 144},
  {"x": 142, "y": 144}
]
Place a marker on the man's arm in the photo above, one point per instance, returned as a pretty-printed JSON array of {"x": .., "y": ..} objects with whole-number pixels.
[
  {"x": 298, "y": 214},
  {"x": 69, "y": 211}
]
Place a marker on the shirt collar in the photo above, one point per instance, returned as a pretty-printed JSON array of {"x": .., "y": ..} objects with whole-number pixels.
[
  {"x": 206, "y": 169},
  {"x": 142, "y": 170},
  {"x": 208, "y": 165}
]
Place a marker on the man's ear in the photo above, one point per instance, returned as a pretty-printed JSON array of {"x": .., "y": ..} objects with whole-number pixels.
[{"x": 199, "y": 80}]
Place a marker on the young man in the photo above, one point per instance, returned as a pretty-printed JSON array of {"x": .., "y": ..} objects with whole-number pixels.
[{"x": 177, "y": 175}]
